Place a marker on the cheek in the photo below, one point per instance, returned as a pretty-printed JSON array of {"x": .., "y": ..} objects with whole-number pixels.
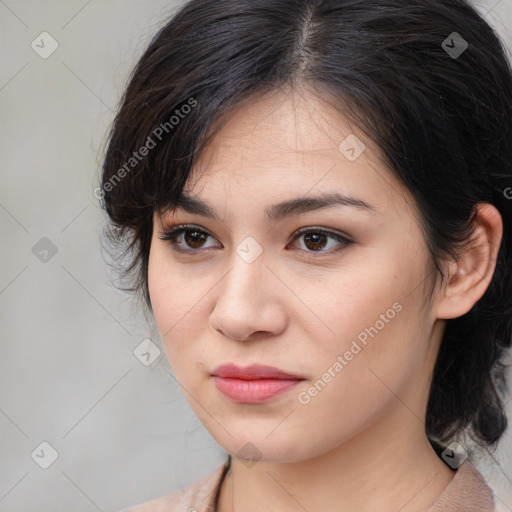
[
  {"x": 376, "y": 338},
  {"x": 359, "y": 377},
  {"x": 166, "y": 292},
  {"x": 172, "y": 292},
  {"x": 179, "y": 303},
  {"x": 369, "y": 303}
]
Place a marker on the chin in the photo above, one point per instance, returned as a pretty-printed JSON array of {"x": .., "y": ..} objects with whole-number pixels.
[{"x": 260, "y": 448}]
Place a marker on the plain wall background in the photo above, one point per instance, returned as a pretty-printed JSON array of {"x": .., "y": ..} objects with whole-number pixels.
[{"x": 124, "y": 432}]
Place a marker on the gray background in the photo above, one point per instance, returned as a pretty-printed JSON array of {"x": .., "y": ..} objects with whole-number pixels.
[{"x": 124, "y": 432}]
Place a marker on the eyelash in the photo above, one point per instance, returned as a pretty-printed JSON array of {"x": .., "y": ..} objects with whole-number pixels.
[{"x": 172, "y": 234}]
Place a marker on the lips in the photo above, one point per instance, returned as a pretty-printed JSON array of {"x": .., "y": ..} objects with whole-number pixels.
[
  {"x": 253, "y": 372},
  {"x": 253, "y": 384}
]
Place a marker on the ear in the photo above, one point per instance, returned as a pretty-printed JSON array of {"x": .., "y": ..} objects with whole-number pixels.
[{"x": 470, "y": 275}]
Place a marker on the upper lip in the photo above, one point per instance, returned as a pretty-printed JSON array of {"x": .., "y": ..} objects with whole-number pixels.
[{"x": 252, "y": 372}]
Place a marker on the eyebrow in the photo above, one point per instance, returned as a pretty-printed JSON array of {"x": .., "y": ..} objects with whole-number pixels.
[{"x": 276, "y": 212}]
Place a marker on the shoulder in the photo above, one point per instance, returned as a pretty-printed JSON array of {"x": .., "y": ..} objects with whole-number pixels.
[
  {"x": 467, "y": 491},
  {"x": 198, "y": 496}
]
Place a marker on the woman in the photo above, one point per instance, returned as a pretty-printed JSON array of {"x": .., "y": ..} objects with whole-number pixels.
[{"x": 315, "y": 197}]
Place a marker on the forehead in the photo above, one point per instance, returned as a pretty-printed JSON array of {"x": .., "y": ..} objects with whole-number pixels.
[
  {"x": 287, "y": 145},
  {"x": 285, "y": 121}
]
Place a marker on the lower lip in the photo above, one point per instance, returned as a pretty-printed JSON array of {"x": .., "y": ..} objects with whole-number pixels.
[{"x": 253, "y": 391}]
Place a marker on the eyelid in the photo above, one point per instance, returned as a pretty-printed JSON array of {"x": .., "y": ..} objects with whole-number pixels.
[{"x": 328, "y": 231}]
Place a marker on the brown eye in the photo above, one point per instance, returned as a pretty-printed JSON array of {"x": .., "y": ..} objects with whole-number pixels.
[
  {"x": 194, "y": 238},
  {"x": 315, "y": 240},
  {"x": 185, "y": 238}
]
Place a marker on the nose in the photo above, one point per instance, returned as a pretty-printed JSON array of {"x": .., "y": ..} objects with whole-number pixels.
[{"x": 250, "y": 302}]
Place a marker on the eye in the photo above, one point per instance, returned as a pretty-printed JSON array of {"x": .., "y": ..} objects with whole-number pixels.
[
  {"x": 188, "y": 239},
  {"x": 315, "y": 240},
  {"x": 192, "y": 238}
]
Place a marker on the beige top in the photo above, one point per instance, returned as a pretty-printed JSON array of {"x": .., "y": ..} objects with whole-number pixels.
[{"x": 467, "y": 492}]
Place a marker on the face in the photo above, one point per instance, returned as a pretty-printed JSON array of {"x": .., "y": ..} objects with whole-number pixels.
[{"x": 334, "y": 294}]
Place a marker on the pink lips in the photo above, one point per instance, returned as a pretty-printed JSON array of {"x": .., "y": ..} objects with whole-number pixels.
[{"x": 253, "y": 384}]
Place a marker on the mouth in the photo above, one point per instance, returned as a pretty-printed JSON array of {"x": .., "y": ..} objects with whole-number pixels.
[{"x": 253, "y": 384}]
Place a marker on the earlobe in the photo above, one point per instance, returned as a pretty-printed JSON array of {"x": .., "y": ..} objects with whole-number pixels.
[{"x": 470, "y": 276}]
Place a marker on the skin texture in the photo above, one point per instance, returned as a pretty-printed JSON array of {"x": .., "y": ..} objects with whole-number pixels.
[{"x": 359, "y": 443}]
